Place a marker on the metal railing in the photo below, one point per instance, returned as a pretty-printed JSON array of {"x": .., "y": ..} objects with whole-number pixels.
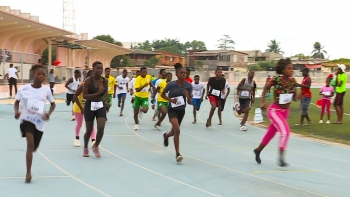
[{"x": 20, "y": 60}]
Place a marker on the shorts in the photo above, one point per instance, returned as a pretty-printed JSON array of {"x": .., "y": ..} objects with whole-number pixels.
[
  {"x": 197, "y": 103},
  {"x": 138, "y": 101},
  {"x": 121, "y": 95},
  {"x": 110, "y": 96},
  {"x": 69, "y": 98},
  {"x": 90, "y": 116},
  {"x": 214, "y": 99},
  {"x": 161, "y": 104},
  {"x": 179, "y": 114},
  {"x": 26, "y": 127},
  {"x": 339, "y": 99},
  {"x": 305, "y": 102},
  {"x": 244, "y": 103}
]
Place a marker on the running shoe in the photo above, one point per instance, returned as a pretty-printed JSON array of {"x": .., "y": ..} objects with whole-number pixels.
[
  {"x": 76, "y": 142},
  {"x": 243, "y": 128},
  {"x": 178, "y": 157},
  {"x": 156, "y": 127},
  {"x": 136, "y": 127},
  {"x": 165, "y": 139},
  {"x": 86, "y": 152},
  {"x": 96, "y": 151}
]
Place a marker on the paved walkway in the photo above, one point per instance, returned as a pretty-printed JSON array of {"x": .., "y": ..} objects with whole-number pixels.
[{"x": 218, "y": 161}]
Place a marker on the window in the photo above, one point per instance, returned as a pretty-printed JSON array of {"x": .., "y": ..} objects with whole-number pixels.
[
  {"x": 246, "y": 58},
  {"x": 234, "y": 58}
]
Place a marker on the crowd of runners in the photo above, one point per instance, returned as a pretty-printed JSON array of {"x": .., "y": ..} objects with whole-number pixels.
[{"x": 92, "y": 96}]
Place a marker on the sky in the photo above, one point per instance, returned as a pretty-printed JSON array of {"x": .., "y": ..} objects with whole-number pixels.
[{"x": 296, "y": 24}]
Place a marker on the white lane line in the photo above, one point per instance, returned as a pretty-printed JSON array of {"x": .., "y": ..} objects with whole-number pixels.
[
  {"x": 328, "y": 173},
  {"x": 72, "y": 176},
  {"x": 219, "y": 166},
  {"x": 20, "y": 177},
  {"x": 159, "y": 174}
]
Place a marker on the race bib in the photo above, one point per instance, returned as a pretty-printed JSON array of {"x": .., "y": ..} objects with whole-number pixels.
[
  {"x": 215, "y": 92},
  {"x": 285, "y": 98},
  {"x": 35, "y": 106},
  {"x": 109, "y": 89},
  {"x": 245, "y": 93},
  {"x": 179, "y": 102},
  {"x": 326, "y": 93},
  {"x": 96, "y": 105},
  {"x": 145, "y": 89},
  {"x": 196, "y": 93}
]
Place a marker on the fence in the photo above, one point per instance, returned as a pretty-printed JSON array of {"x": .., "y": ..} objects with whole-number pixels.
[{"x": 22, "y": 61}]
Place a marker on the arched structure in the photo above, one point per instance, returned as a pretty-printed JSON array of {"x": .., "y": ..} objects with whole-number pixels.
[{"x": 23, "y": 34}]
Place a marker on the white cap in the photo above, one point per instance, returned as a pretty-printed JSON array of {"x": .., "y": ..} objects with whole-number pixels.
[{"x": 342, "y": 67}]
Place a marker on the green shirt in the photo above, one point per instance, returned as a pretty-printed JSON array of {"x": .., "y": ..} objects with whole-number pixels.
[
  {"x": 344, "y": 78},
  {"x": 333, "y": 83}
]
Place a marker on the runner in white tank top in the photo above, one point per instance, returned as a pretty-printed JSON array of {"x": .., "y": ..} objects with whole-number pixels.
[{"x": 72, "y": 85}]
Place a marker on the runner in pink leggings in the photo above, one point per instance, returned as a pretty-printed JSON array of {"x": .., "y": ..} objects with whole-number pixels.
[{"x": 284, "y": 93}]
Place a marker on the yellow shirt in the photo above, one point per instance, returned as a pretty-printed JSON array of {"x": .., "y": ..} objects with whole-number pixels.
[
  {"x": 161, "y": 86},
  {"x": 139, "y": 82},
  {"x": 81, "y": 99},
  {"x": 111, "y": 83}
]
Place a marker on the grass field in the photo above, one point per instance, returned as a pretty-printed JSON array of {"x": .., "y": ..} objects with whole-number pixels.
[{"x": 332, "y": 132}]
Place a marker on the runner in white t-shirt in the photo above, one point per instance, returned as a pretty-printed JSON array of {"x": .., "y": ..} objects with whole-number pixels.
[
  {"x": 198, "y": 91},
  {"x": 72, "y": 85},
  {"x": 30, "y": 109},
  {"x": 122, "y": 89},
  {"x": 132, "y": 90},
  {"x": 12, "y": 76},
  {"x": 224, "y": 96}
]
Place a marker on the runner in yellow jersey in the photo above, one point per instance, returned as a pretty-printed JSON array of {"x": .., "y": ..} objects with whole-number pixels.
[
  {"x": 78, "y": 109},
  {"x": 142, "y": 86},
  {"x": 112, "y": 85},
  {"x": 162, "y": 103}
]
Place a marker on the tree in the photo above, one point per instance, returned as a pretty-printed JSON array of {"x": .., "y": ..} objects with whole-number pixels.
[
  {"x": 108, "y": 38},
  {"x": 146, "y": 45},
  {"x": 301, "y": 56},
  {"x": 121, "y": 61},
  {"x": 117, "y": 60},
  {"x": 226, "y": 43},
  {"x": 318, "y": 51},
  {"x": 266, "y": 65},
  {"x": 195, "y": 45},
  {"x": 274, "y": 47},
  {"x": 169, "y": 45},
  {"x": 151, "y": 63},
  {"x": 198, "y": 64},
  {"x": 45, "y": 56}
]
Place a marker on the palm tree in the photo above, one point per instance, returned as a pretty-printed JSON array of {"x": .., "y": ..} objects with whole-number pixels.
[
  {"x": 274, "y": 47},
  {"x": 318, "y": 51}
]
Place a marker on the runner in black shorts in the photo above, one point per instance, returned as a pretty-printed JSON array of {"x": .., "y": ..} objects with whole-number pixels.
[{"x": 179, "y": 92}]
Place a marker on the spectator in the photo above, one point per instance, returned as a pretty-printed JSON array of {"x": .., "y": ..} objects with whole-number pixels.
[
  {"x": 340, "y": 89},
  {"x": 12, "y": 76}
]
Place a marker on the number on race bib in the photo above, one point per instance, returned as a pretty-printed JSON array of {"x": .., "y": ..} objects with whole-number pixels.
[
  {"x": 179, "y": 102},
  {"x": 35, "y": 106},
  {"x": 215, "y": 92},
  {"x": 245, "y": 93},
  {"x": 96, "y": 105},
  {"x": 285, "y": 98}
]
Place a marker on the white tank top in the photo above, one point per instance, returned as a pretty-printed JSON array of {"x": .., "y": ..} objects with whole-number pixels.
[{"x": 74, "y": 85}]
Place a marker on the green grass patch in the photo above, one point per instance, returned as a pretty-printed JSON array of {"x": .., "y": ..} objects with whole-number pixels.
[{"x": 332, "y": 132}]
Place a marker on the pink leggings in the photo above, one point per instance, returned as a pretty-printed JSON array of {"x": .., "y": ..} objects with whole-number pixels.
[
  {"x": 278, "y": 118},
  {"x": 326, "y": 105},
  {"x": 79, "y": 119}
]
